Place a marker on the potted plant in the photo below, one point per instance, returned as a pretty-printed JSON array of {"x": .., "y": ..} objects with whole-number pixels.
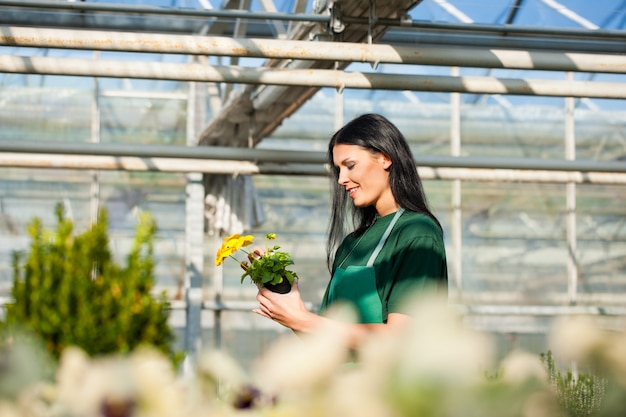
[{"x": 267, "y": 269}]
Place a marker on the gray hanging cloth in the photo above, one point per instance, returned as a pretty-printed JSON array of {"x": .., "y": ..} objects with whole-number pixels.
[{"x": 231, "y": 204}]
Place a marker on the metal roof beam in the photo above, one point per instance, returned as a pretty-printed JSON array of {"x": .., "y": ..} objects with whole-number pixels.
[
  {"x": 236, "y": 167},
  {"x": 226, "y": 13},
  {"x": 254, "y": 155},
  {"x": 392, "y": 23},
  {"x": 570, "y": 14},
  {"x": 312, "y": 78},
  {"x": 314, "y": 51},
  {"x": 400, "y": 21}
]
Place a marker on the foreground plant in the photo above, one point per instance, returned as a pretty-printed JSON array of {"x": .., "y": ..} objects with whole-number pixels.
[
  {"x": 268, "y": 269},
  {"x": 579, "y": 395},
  {"x": 68, "y": 290},
  {"x": 435, "y": 366}
]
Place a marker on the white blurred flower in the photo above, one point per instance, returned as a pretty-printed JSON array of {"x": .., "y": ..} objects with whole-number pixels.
[
  {"x": 439, "y": 345},
  {"x": 158, "y": 390},
  {"x": 215, "y": 366},
  {"x": 219, "y": 376},
  {"x": 38, "y": 400},
  {"x": 379, "y": 355},
  {"x": 355, "y": 393},
  {"x": 8, "y": 409},
  {"x": 424, "y": 369},
  {"x": 616, "y": 357},
  {"x": 520, "y": 367},
  {"x": 575, "y": 338},
  {"x": 141, "y": 384},
  {"x": 297, "y": 363},
  {"x": 540, "y": 404},
  {"x": 73, "y": 366},
  {"x": 84, "y": 385},
  {"x": 107, "y": 384}
]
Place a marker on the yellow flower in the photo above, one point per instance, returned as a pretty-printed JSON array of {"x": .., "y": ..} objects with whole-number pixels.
[
  {"x": 237, "y": 241},
  {"x": 223, "y": 253},
  {"x": 266, "y": 268},
  {"x": 231, "y": 245}
]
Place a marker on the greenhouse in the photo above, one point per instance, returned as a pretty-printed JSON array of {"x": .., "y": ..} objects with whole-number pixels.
[{"x": 213, "y": 118}]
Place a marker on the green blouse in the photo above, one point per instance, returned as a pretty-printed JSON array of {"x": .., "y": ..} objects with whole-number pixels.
[{"x": 413, "y": 258}]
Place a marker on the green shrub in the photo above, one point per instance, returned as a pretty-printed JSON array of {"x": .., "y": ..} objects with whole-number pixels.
[
  {"x": 580, "y": 395},
  {"x": 68, "y": 290}
]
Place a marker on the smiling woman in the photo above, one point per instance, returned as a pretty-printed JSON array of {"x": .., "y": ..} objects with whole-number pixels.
[
  {"x": 364, "y": 174},
  {"x": 397, "y": 248}
]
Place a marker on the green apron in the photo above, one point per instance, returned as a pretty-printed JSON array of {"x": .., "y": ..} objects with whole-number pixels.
[{"x": 363, "y": 297}]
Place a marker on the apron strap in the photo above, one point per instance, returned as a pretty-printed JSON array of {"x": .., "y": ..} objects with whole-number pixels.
[{"x": 383, "y": 239}]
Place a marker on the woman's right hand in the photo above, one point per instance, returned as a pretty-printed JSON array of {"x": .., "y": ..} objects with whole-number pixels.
[{"x": 286, "y": 309}]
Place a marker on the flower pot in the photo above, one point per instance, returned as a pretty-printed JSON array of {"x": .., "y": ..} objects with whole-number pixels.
[{"x": 282, "y": 287}]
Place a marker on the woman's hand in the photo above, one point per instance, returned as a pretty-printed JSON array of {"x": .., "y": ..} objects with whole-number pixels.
[
  {"x": 290, "y": 311},
  {"x": 286, "y": 309}
]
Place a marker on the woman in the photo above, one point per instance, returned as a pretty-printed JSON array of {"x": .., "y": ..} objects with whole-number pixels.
[{"x": 397, "y": 246}]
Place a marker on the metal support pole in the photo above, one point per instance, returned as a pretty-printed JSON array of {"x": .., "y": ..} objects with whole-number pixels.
[
  {"x": 239, "y": 32},
  {"x": 218, "y": 288},
  {"x": 194, "y": 235},
  {"x": 457, "y": 221},
  {"x": 570, "y": 155},
  {"x": 94, "y": 199}
]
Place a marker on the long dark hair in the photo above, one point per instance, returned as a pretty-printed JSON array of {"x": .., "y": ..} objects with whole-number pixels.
[{"x": 377, "y": 134}]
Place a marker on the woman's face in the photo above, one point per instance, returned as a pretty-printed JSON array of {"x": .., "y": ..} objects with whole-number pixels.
[{"x": 365, "y": 176}]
